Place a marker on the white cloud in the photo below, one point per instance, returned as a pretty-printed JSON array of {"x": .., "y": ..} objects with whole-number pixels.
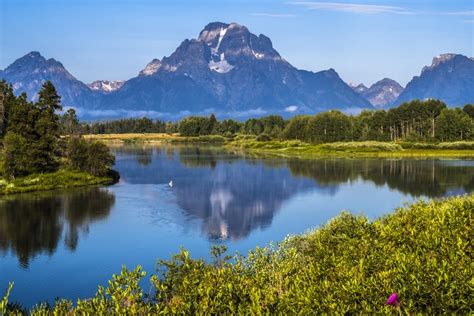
[
  {"x": 458, "y": 13},
  {"x": 351, "y": 7},
  {"x": 274, "y": 15},
  {"x": 291, "y": 108}
]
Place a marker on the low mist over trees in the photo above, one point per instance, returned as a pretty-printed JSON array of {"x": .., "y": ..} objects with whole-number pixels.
[
  {"x": 426, "y": 121},
  {"x": 31, "y": 130}
]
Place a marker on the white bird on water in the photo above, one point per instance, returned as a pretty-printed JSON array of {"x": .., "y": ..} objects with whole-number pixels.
[{"x": 171, "y": 184}]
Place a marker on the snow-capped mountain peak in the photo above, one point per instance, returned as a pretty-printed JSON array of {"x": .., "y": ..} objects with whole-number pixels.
[
  {"x": 359, "y": 88},
  {"x": 381, "y": 93},
  {"x": 105, "y": 85}
]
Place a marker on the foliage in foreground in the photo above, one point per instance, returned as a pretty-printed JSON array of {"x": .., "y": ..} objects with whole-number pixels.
[{"x": 350, "y": 265}]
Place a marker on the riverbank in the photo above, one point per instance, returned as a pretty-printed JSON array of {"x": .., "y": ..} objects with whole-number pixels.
[
  {"x": 348, "y": 266},
  {"x": 60, "y": 179},
  {"x": 368, "y": 149},
  {"x": 298, "y": 149}
]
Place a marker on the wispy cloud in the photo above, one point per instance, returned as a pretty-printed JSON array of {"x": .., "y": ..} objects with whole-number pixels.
[
  {"x": 458, "y": 13},
  {"x": 351, "y": 7},
  {"x": 274, "y": 15}
]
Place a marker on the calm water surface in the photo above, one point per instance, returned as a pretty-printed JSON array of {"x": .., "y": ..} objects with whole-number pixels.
[{"x": 65, "y": 243}]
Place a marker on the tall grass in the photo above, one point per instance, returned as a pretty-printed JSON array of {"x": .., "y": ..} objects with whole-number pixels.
[
  {"x": 456, "y": 145},
  {"x": 367, "y": 146}
]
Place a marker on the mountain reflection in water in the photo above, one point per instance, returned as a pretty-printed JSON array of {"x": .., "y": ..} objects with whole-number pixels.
[
  {"x": 233, "y": 195},
  {"x": 228, "y": 195}
]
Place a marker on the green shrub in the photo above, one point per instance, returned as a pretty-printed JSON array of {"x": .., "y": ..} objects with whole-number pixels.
[
  {"x": 229, "y": 135},
  {"x": 460, "y": 145},
  {"x": 408, "y": 145},
  {"x": 456, "y": 145},
  {"x": 367, "y": 146},
  {"x": 90, "y": 156},
  {"x": 348, "y": 266},
  {"x": 263, "y": 138},
  {"x": 245, "y": 137}
]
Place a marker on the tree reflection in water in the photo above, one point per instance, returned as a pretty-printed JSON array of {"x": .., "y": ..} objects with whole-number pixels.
[
  {"x": 35, "y": 223},
  {"x": 234, "y": 195}
]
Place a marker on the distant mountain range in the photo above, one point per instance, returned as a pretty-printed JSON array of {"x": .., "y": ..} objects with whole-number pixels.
[
  {"x": 28, "y": 73},
  {"x": 381, "y": 93},
  {"x": 234, "y": 73},
  {"x": 105, "y": 85}
]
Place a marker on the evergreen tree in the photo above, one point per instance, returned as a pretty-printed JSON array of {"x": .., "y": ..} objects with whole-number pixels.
[
  {"x": 31, "y": 142},
  {"x": 49, "y": 98},
  {"x": 8, "y": 101},
  {"x": 70, "y": 123}
]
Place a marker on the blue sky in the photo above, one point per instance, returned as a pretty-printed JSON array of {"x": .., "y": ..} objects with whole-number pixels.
[{"x": 363, "y": 40}]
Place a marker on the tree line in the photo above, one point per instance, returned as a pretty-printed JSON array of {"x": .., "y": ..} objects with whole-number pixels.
[
  {"x": 427, "y": 121},
  {"x": 30, "y": 133}
]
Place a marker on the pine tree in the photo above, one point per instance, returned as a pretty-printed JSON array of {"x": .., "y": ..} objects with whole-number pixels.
[{"x": 49, "y": 98}]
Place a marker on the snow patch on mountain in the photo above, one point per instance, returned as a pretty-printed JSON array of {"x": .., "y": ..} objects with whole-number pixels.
[
  {"x": 381, "y": 93},
  {"x": 221, "y": 37},
  {"x": 359, "y": 88},
  {"x": 151, "y": 68},
  {"x": 221, "y": 66},
  {"x": 105, "y": 85}
]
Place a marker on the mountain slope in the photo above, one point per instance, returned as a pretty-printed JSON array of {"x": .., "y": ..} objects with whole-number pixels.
[
  {"x": 230, "y": 70},
  {"x": 381, "y": 93},
  {"x": 28, "y": 73},
  {"x": 450, "y": 78},
  {"x": 358, "y": 88}
]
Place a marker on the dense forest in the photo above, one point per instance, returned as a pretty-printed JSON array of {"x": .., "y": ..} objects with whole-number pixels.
[
  {"x": 37, "y": 140},
  {"x": 428, "y": 121}
]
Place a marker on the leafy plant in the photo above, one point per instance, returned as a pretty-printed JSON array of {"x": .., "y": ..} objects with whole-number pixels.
[
  {"x": 4, "y": 301},
  {"x": 422, "y": 253}
]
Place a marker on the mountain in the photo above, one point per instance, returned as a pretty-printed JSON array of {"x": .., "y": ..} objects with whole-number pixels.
[
  {"x": 381, "y": 93},
  {"x": 227, "y": 69},
  {"x": 105, "y": 85},
  {"x": 234, "y": 73},
  {"x": 358, "y": 88},
  {"x": 450, "y": 78},
  {"x": 28, "y": 73}
]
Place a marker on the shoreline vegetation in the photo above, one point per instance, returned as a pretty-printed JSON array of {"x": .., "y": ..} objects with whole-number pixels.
[
  {"x": 61, "y": 179},
  {"x": 350, "y": 265},
  {"x": 33, "y": 154},
  {"x": 413, "y": 129},
  {"x": 299, "y": 149}
]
